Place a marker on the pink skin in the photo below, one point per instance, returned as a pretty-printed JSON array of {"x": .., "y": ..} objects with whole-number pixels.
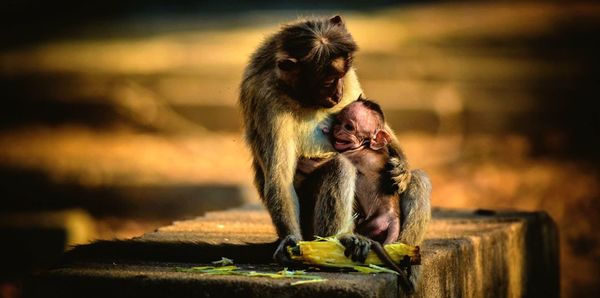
[
  {"x": 354, "y": 124},
  {"x": 383, "y": 226}
]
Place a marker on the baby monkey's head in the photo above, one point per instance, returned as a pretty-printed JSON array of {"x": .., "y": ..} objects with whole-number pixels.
[{"x": 360, "y": 125}]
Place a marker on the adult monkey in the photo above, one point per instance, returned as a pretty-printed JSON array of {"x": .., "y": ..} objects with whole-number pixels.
[{"x": 294, "y": 81}]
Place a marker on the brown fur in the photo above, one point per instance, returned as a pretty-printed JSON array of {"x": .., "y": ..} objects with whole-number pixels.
[
  {"x": 381, "y": 210},
  {"x": 281, "y": 114},
  {"x": 294, "y": 82}
]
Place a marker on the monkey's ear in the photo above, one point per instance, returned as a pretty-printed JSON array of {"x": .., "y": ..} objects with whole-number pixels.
[
  {"x": 287, "y": 64},
  {"x": 381, "y": 139},
  {"x": 337, "y": 20}
]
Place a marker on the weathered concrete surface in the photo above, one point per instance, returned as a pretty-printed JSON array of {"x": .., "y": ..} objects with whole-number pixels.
[
  {"x": 162, "y": 280},
  {"x": 466, "y": 254}
]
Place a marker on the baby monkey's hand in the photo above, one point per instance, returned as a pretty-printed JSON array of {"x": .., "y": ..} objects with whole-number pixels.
[{"x": 396, "y": 176}]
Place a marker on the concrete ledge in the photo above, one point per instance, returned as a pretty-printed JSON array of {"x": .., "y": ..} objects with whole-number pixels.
[
  {"x": 466, "y": 254},
  {"x": 162, "y": 280}
]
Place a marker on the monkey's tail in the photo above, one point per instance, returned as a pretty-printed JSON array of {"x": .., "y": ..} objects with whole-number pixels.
[{"x": 405, "y": 284}]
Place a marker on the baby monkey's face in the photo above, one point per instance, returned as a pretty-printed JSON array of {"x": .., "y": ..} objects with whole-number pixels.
[{"x": 355, "y": 126}]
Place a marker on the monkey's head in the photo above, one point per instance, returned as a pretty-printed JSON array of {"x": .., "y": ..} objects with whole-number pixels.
[
  {"x": 312, "y": 59},
  {"x": 360, "y": 125}
]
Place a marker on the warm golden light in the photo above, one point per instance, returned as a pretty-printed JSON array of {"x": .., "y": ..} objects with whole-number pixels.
[{"x": 485, "y": 97}]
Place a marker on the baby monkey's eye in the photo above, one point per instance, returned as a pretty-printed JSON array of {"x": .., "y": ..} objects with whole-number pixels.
[{"x": 348, "y": 126}]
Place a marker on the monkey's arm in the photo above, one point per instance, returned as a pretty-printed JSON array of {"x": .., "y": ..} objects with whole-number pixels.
[
  {"x": 277, "y": 152},
  {"x": 279, "y": 165},
  {"x": 397, "y": 168}
]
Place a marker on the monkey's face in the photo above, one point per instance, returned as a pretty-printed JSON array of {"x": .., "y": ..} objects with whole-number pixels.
[
  {"x": 312, "y": 59},
  {"x": 331, "y": 87},
  {"x": 355, "y": 126},
  {"x": 312, "y": 85}
]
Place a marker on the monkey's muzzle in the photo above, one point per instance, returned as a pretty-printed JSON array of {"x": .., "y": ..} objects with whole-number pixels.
[{"x": 333, "y": 94}]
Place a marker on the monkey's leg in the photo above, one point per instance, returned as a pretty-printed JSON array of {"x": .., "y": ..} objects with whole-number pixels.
[
  {"x": 334, "y": 197},
  {"x": 416, "y": 213},
  {"x": 415, "y": 204},
  {"x": 259, "y": 178},
  {"x": 331, "y": 191}
]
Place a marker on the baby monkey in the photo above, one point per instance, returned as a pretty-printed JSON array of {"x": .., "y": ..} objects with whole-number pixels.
[{"x": 358, "y": 132}]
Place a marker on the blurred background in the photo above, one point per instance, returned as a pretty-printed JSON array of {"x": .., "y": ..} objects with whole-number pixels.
[{"x": 118, "y": 117}]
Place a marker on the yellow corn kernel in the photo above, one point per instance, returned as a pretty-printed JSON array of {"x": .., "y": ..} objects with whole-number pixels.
[{"x": 330, "y": 252}]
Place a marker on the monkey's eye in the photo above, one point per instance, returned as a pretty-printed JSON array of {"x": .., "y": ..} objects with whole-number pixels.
[
  {"x": 348, "y": 127},
  {"x": 287, "y": 64},
  {"x": 349, "y": 61},
  {"x": 328, "y": 83}
]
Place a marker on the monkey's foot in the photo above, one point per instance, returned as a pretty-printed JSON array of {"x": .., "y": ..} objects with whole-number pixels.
[
  {"x": 281, "y": 254},
  {"x": 357, "y": 247}
]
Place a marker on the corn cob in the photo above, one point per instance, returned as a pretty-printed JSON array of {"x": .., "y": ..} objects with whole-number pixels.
[{"x": 329, "y": 252}]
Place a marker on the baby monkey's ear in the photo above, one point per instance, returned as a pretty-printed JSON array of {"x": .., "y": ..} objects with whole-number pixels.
[{"x": 381, "y": 139}]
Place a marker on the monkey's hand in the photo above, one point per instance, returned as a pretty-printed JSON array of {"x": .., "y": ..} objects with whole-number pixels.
[
  {"x": 396, "y": 176},
  {"x": 281, "y": 254},
  {"x": 357, "y": 247}
]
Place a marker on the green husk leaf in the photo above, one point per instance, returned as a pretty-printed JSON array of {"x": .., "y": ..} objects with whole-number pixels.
[
  {"x": 234, "y": 270},
  {"x": 365, "y": 269},
  {"x": 383, "y": 269},
  {"x": 223, "y": 262},
  {"x": 308, "y": 281},
  {"x": 210, "y": 269},
  {"x": 263, "y": 274}
]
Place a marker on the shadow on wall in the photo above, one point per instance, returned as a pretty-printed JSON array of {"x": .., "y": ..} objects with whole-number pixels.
[{"x": 30, "y": 190}]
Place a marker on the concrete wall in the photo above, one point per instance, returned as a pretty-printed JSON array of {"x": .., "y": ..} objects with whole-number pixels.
[{"x": 466, "y": 254}]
